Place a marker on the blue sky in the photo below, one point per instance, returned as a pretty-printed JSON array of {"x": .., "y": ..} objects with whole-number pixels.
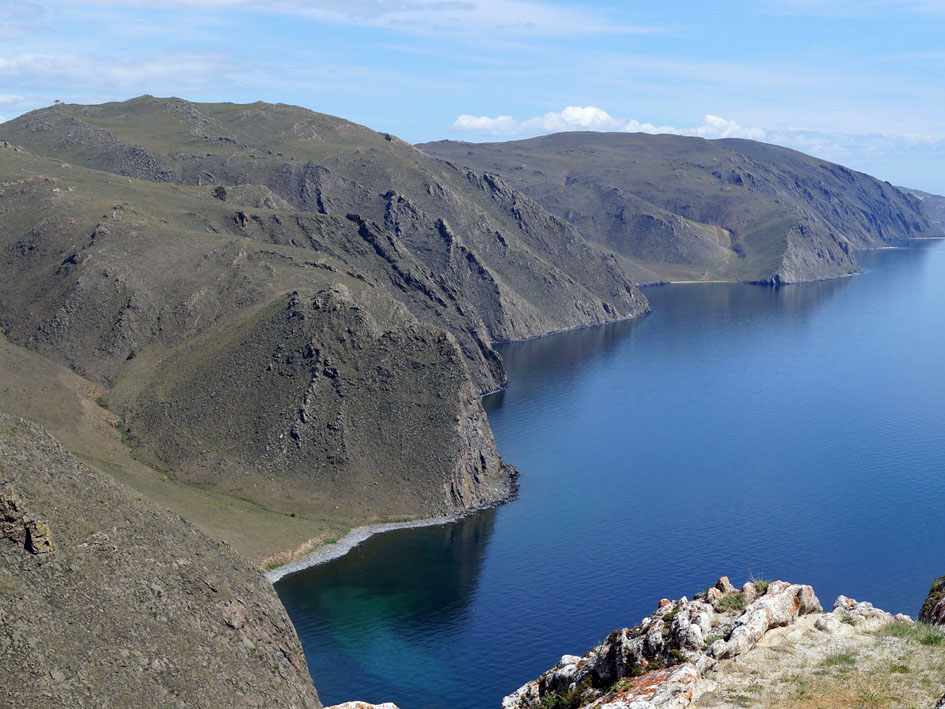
[{"x": 857, "y": 82}]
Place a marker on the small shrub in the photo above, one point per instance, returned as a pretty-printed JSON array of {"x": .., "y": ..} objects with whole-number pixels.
[
  {"x": 898, "y": 668},
  {"x": 848, "y": 619},
  {"x": 220, "y": 193}
]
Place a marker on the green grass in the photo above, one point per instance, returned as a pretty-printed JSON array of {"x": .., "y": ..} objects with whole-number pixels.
[
  {"x": 921, "y": 633},
  {"x": 732, "y": 602},
  {"x": 839, "y": 659},
  {"x": 761, "y": 585}
]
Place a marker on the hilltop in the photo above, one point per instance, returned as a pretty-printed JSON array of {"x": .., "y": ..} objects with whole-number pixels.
[{"x": 680, "y": 208}]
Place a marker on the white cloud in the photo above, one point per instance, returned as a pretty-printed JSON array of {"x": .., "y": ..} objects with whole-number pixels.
[
  {"x": 45, "y": 71},
  {"x": 514, "y": 16},
  {"x": 853, "y": 148},
  {"x": 11, "y": 98},
  {"x": 596, "y": 119}
]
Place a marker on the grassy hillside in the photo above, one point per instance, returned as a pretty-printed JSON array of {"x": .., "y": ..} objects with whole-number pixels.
[
  {"x": 681, "y": 208},
  {"x": 196, "y": 336}
]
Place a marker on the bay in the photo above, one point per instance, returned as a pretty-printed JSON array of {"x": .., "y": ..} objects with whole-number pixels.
[{"x": 793, "y": 433}]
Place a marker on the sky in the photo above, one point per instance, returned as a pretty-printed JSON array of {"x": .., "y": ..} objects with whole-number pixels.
[{"x": 858, "y": 82}]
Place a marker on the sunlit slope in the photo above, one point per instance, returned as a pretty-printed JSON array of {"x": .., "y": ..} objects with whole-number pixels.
[{"x": 678, "y": 208}]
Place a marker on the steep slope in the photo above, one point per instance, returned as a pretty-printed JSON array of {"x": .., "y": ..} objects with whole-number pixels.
[
  {"x": 525, "y": 271},
  {"x": 686, "y": 208},
  {"x": 295, "y": 377},
  {"x": 933, "y": 204},
  {"x": 107, "y": 601}
]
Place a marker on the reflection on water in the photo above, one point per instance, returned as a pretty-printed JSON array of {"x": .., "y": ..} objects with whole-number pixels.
[
  {"x": 397, "y": 590},
  {"x": 791, "y": 433}
]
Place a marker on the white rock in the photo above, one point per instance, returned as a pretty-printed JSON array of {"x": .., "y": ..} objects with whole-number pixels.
[
  {"x": 828, "y": 623},
  {"x": 781, "y": 605}
]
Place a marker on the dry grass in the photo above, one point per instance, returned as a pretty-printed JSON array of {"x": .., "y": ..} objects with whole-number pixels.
[{"x": 802, "y": 668}]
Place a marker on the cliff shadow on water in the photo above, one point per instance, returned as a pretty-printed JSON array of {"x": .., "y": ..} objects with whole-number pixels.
[{"x": 377, "y": 608}]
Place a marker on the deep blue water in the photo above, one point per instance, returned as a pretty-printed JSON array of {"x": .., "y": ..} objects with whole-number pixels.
[{"x": 792, "y": 433}]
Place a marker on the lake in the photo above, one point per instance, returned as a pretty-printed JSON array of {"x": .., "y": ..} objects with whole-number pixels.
[{"x": 793, "y": 433}]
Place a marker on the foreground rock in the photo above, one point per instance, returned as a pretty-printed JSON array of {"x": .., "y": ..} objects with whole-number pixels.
[
  {"x": 130, "y": 606},
  {"x": 767, "y": 644}
]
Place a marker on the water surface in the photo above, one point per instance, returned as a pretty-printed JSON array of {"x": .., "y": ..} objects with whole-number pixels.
[{"x": 790, "y": 433}]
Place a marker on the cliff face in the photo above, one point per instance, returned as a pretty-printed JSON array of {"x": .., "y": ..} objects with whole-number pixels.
[
  {"x": 107, "y": 601},
  {"x": 686, "y": 208},
  {"x": 768, "y": 644},
  {"x": 333, "y": 394}
]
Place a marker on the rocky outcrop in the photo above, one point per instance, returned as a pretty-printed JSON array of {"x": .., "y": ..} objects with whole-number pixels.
[
  {"x": 686, "y": 652},
  {"x": 21, "y": 528},
  {"x": 133, "y": 607},
  {"x": 389, "y": 410},
  {"x": 933, "y": 608}
]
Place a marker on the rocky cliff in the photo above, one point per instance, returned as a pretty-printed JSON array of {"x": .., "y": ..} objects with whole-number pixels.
[
  {"x": 678, "y": 208},
  {"x": 766, "y": 644},
  {"x": 107, "y": 601}
]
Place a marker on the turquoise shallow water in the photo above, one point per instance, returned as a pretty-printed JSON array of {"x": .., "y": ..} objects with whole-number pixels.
[{"x": 791, "y": 433}]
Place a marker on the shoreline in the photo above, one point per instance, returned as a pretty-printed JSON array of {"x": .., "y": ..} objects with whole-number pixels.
[{"x": 351, "y": 540}]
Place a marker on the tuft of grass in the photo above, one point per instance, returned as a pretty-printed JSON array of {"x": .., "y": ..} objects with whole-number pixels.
[
  {"x": 848, "y": 619},
  {"x": 899, "y": 668},
  {"x": 921, "y": 633},
  {"x": 732, "y": 602},
  {"x": 760, "y": 584},
  {"x": 839, "y": 659}
]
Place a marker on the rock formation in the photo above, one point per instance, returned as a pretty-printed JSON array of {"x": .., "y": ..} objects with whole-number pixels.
[
  {"x": 933, "y": 609},
  {"x": 703, "y": 652}
]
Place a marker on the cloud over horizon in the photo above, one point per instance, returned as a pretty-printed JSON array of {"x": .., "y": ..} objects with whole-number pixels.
[{"x": 592, "y": 118}]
